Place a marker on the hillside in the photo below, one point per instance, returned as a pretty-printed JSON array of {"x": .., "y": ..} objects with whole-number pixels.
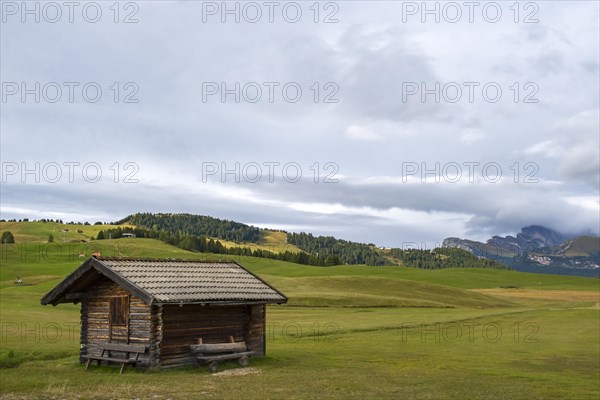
[
  {"x": 197, "y": 225},
  {"x": 183, "y": 230},
  {"x": 38, "y": 231},
  {"x": 188, "y": 232},
  {"x": 440, "y": 258},
  {"x": 40, "y": 264},
  {"x": 274, "y": 241},
  {"x": 583, "y": 246},
  {"x": 203, "y": 234}
]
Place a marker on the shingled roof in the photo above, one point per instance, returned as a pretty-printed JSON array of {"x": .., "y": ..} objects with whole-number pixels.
[{"x": 162, "y": 281}]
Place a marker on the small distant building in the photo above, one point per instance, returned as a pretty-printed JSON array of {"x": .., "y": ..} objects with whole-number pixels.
[
  {"x": 167, "y": 305},
  {"x": 128, "y": 235}
]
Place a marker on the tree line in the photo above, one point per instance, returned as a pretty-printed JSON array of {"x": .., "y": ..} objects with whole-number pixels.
[
  {"x": 345, "y": 251},
  {"x": 442, "y": 258},
  {"x": 195, "y": 225},
  {"x": 203, "y": 244}
]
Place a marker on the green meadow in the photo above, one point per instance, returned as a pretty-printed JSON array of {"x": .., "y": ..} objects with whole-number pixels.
[{"x": 348, "y": 332}]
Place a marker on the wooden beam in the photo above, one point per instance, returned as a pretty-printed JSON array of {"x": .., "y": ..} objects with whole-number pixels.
[{"x": 76, "y": 296}]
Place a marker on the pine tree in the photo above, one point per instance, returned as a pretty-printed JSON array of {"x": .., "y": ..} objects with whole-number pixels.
[{"x": 7, "y": 237}]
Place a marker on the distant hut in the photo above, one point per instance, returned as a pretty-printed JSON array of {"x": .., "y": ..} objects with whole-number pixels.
[{"x": 166, "y": 305}]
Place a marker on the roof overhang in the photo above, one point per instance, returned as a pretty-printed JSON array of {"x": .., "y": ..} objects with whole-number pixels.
[
  {"x": 218, "y": 303},
  {"x": 72, "y": 288}
]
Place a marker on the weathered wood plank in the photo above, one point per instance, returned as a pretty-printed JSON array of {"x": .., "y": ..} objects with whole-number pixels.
[
  {"x": 232, "y": 356},
  {"x": 218, "y": 347},
  {"x": 97, "y": 314}
]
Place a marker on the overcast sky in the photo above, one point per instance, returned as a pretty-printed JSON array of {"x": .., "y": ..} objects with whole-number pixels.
[{"x": 353, "y": 126}]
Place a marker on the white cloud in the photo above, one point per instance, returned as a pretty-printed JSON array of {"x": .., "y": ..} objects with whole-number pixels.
[
  {"x": 361, "y": 133},
  {"x": 369, "y": 55},
  {"x": 547, "y": 148},
  {"x": 470, "y": 136},
  {"x": 576, "y": 147}
]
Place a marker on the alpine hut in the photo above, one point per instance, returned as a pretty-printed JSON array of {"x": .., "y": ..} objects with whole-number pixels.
[{"x": 158, "y": 309}]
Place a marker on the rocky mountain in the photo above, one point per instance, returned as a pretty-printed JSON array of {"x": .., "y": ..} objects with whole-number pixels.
[
  {"x": 538, "y": 249},
  {"x": 530, "y": 238}
]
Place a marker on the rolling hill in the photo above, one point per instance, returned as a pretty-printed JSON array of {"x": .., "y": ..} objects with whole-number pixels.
[{"x": 534, "y": 249}]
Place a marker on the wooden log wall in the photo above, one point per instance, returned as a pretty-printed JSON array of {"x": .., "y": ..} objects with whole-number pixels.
[
  {"x": 183, "y": 325},
  {"x": 155, "y": 335},
  {"x": 95, "y": 324},
  {"x": 257, "y": 334},
  {"x": 83, "y": 332}
]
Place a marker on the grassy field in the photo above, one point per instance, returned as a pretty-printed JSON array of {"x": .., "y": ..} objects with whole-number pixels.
[
  {"x": 38, "y": 232},
  {"x": 583, "y": 246},
  {"x": 273, "y": 241},
  {"x": 347, "y": 332}
]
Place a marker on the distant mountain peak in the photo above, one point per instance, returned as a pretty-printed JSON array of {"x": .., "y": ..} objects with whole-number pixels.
[
  {"x": 530, "y": 238},
  {"x": 536, "y": 245},
  {"x": 536, "y": 236}
]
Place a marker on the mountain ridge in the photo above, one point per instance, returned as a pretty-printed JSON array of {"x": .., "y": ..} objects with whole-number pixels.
[{"x": 538, "y": 249}]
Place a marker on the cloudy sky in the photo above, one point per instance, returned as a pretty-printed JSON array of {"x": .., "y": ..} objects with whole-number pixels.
[{"x": 381, "y": 122}]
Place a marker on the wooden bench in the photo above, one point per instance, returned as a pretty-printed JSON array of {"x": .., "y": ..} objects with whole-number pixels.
[
  {"x": 108, "y": 348},
  {"x": 221, "y": 352}
]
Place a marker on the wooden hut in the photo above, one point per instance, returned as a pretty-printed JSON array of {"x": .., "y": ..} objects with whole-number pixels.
[{"x": 166, "y": 305}]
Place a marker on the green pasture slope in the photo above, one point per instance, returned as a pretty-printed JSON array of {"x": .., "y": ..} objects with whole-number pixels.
[{"x": 347, "y": 332}]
